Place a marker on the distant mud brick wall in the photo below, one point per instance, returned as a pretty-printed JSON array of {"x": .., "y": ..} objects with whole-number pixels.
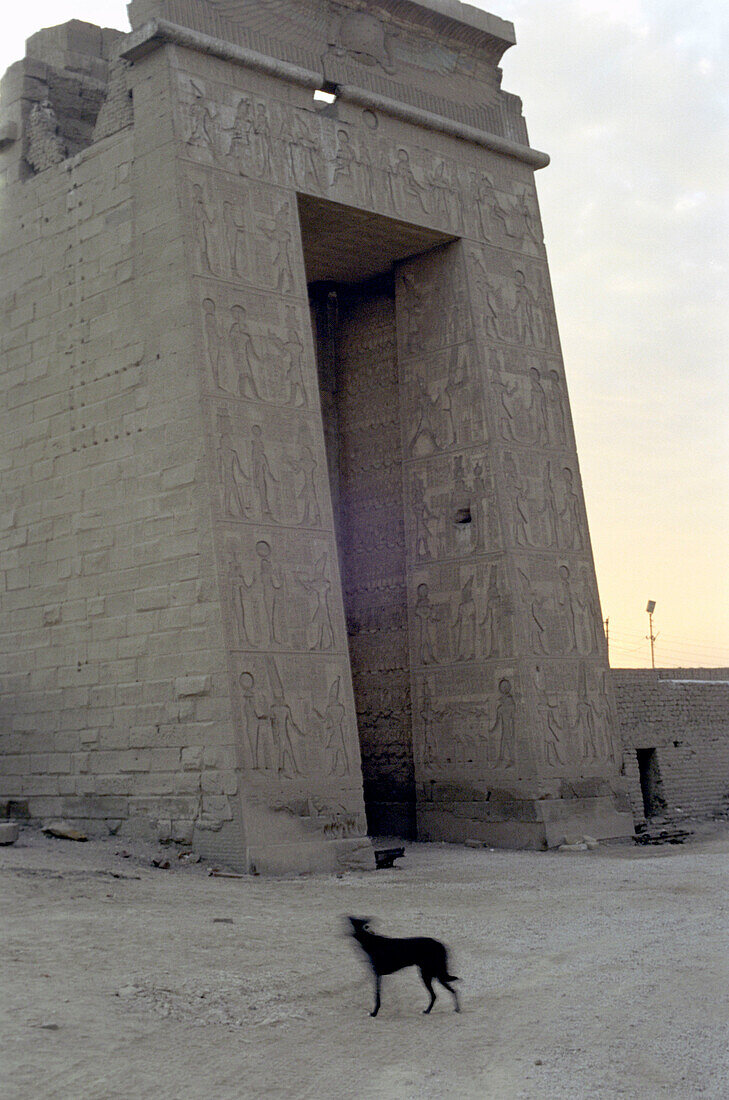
[{"x": 683, "y": 716}]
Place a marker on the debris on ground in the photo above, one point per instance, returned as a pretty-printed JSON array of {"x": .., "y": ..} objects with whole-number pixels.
[
  {"x": 63, "y": 831},
  {"x": 162, "y": 864},
  {"x": 385, "y": 857},
  {"x": 664, "y": 835},
  {"x": 9, "y": 832},
  {"x": 217, "y": 873},
  {"x": 578, "y": 844}
]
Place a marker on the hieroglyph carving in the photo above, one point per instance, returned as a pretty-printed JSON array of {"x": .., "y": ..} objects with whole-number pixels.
[
  {"x": 303, "y": 149},
  {"x": 254, "y": 347},
  {"x": 288, "y": 732},
  {"x": 467, "y": 724},
  {"x": 561, "y": 609}
]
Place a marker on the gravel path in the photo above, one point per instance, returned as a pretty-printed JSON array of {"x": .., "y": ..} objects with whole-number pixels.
[{"x": 583, "y": 975}]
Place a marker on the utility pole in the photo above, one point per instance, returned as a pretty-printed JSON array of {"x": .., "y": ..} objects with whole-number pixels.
[{"x": 651, "y": 637}]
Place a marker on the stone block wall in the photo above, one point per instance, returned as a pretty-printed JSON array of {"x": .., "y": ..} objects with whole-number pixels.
[
  {"x": 684, "y": 715},
  {"x": 115, "y": 700}
]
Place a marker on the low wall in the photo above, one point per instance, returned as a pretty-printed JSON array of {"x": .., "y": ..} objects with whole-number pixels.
[{"x": 683, "y": 715}]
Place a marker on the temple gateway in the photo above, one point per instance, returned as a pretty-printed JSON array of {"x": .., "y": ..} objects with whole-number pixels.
[{"x": 294, "y": 549}]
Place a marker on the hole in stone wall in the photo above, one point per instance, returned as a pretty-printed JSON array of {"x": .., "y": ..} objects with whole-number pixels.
[
  {"x": 651, "y": 784},
  {"x": 326, "y": 94},
  {"x": 463, "y": 515}
]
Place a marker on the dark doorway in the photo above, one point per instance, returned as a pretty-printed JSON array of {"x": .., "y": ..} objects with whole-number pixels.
[
  {"x": 350, "y": 258},
  {"x": 651, "y": 784}
]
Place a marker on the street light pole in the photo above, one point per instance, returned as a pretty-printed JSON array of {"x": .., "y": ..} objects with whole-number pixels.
[{"x": 650, "y": 608}]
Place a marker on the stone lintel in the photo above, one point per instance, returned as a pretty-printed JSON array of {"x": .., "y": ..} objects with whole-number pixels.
[{"x": 158, "y": 32}]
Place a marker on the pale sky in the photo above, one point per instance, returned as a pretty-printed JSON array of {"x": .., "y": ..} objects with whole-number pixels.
[{"x": 631, "y": 100}]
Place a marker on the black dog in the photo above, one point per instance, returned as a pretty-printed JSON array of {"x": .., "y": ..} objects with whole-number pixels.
[{"x": 387, "y": 955}]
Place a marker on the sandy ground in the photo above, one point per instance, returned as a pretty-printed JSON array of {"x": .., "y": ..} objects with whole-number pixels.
[{"x": 585, "y": 975}]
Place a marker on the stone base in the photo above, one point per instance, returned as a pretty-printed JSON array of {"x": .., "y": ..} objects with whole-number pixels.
[
  {"x": 323, "y": 856},
  {"x": 528, "y": 823}
]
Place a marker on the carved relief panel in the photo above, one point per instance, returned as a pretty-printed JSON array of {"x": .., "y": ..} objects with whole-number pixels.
[
  {"x": 574, "y": 717},
  {"x": 358, "y": 157},
  {"x": 268, "y": 466},
  {"x": 245, "y": 233},
  {"x": 469, "y": 723},
  {"x": 283, "y": 589}
]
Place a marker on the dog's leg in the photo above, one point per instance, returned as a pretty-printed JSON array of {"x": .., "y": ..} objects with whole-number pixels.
[
  {"x": 428, "y": 983},
  {"x": 452, "y": 991},
  {"x": 377, "y": 995}
]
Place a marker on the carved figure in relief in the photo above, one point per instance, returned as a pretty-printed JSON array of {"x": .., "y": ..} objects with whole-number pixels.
[
  {"x": 552, "y": 728},
  {"x": 591, "y": 635},
  {"x": 557, "y": 405},
  {"x": 257, "y": 727},
  {"x": 510, "y": 406},
  {"x": 335, "y": 738},
  {"x": 240, "y": 587},
  {"x": 262, "y": 140},
  {"x": 403, "y": 185},
  {"x": 344, "y": 158},
  {"x": 283, "y": 727},
  {"x": 489, "y": 209},
  {"x": 465, "y": 624},
  {"x": 525, "y": 311},
  {"x": 424, "y": 440},
  {"x": 306, "y": 494},
  {"x": 491, "y": 305},
  {"x": 454, "y": 401},
  {"x": 233, "y": 479},
  {"x": 366, "y": 174},
  {"x": 538, "y": 618},
  {"x": 271, "y": 584},
  {"x": 292, "y": 350},
  {"x": 492, "y": 624},
  {"x": 569, "y": 606},
  {"x": 202, "y": 121},
  {"x": 319, "y": 586},
  {"x": 426, "y": 616},
  {"x": 281, "y": 239},
  {"x": 241, "y": 143},
  {"x": 504, "y": 725},
  {"x": 538, "y": 407},
  {"x": 549, "y": 508},
  {"x": 204, "y": 222},
  {"x": 547, "y": 329},
  {"x": 261, "y": 474},
  {"x": 429, "y": 718},
  {"x": 516, "y": 494},
  {"x": 585, "y": 727},
  {"x": 480, "y": 495},
  {"x": 570, "y": 515},
  {"x": 423, "y": 517},
  {"x": 446, "y": 195},
  {"x": 236, "y": 239},
  {"x": 527, "y": 220},
  {"x": 243, "y": 353},
  {"x": 296, "y": 135},
  {"x": 214, "y": 342}
]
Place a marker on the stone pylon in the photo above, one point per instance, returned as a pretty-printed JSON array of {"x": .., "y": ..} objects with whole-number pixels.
[{"x": 285, "y": 374}]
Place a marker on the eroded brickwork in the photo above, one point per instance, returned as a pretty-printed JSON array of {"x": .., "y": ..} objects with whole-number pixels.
[{"x": 684, "y": 715}]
